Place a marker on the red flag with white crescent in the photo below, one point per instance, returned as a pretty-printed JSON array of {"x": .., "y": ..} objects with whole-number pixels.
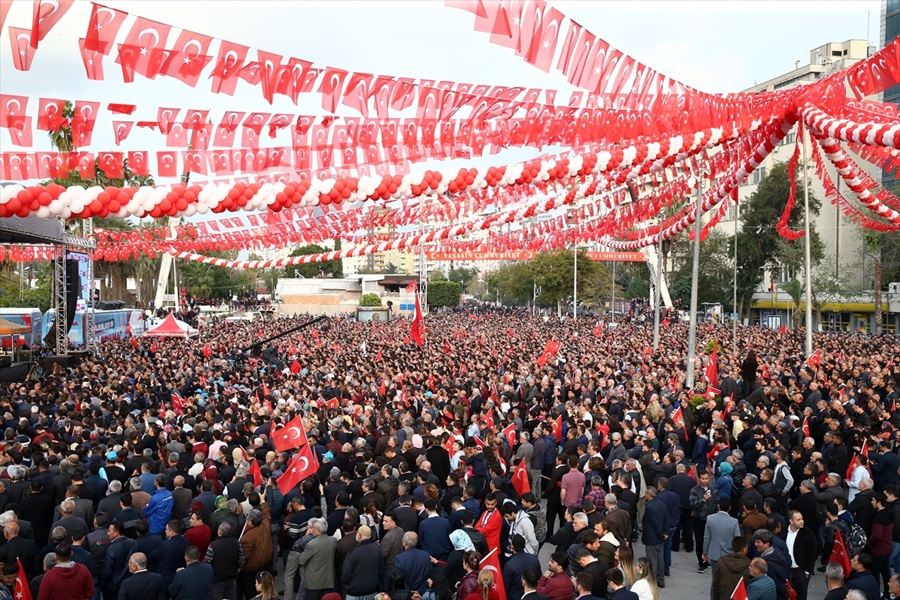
[
  {"x": 489, "y": 418},
  {"x": 806, "y": 432},
  {"x": 520, "y": 479},
  {"x": 291, "y": 436},
  {"x": 304, "y": 465},
  {"x": 22, "y": 590},
  {"x": 839, "y": 553},
  {"x": 510, "y": 433},
  {"x": 255, "y": 472},
  {"x": 492, "y": 563},
  {"x": 557, "y": 428}
]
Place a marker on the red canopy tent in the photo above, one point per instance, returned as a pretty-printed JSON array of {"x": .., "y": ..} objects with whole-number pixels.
[{"x": 172, "y": 327}]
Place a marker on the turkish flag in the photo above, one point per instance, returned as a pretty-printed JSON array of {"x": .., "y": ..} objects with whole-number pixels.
[
  {"x": 22, "y": 590},
  {"x": 20, "y": 131},
  {"x": 839, "y": 553},
  {"x": 520, "y": 479},
  {"x": 448, "y": 446},
  {"x": 228, "y": 66},
  {"x": 806, "y": 432},
  {"x": 207, "y": 351},
  {"x": 765, "y": 371},
  {"x": 177, "y": 402},
  {"x": 12, "y": 107},
  {"x": 49, "y": 109},
  {"x": 102, "y": 28},
  {"x": 269, "y": 71},
  {"x": 295, "y": 367},
  {"x": 121, "y": 129},
  {"x": 137, "y": 163},
  {"x": 489, "y": 418},
  {"x": 46, "y": 14},
  {"x": 740, "y": 590},
  {"x": 333, "y": 403},
  {"x": 491, "y": 562},
  {"x": 447, "y": 349},
  {"x": 712, "y": 370},
  {"x": 167, "y": 164},
  {"x": 135, "y": 343},
  {"x": 22, "y": 49},
  {"x": 693, "y": 473},
  {"x": 291, "y": 436},
  {"x": 255, "y": 471},
  {"x": 357, "y": 93},
  {"x": 815, "y": 359},
  {"x": 304, "y": 465},
  {"x": 331, "y": 87},
  {"x": 166, "y": 117},
  {"x": 417, "y": 330},
  {"x": 111, "y": 164},
  {"x": 295, "y": 78},
  {"x": 226, "y": 129},
  {"x": 510, "y": 433},
  {"x": 378, "y": 356},
  {"x": 557, "y": 428},
  {"x": 479, "y": 442},
  {"x": 188, "y": 57},
  {"x": 149, "y": 39},
  {"x": 92, "y": 61}
]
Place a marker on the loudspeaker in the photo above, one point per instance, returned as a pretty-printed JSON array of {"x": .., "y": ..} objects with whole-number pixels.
[{"x": 73, "y": 289}]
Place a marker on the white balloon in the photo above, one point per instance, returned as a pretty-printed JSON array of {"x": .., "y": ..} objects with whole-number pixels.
[
  {"x": 43, "y": 212},
  {"x": 202, "y": 209},
  {"x": 190, "y": 210}
]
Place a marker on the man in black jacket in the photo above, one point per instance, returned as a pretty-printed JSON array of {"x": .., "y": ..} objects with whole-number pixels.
[
  {"x": 802, "y": 546},
  {"x": 194, "y": 581},
  {"x": 142, "y": 585},
  {"x": 362, "y": 568},
  {"x": 226, "y": 557}
]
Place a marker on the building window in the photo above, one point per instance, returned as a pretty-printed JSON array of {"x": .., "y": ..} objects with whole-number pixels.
[
  {"x": 785, "y": 274},
  {"x": 758, "y": 175}
]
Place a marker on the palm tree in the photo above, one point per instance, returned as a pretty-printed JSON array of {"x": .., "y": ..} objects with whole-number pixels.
[
  {"x": 113, "y": 275},
  {"x": 794, "y": 289}
]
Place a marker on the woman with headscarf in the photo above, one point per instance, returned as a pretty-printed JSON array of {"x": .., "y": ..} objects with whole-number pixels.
[
  {"x": 724, "y": 483},
  {"x": 462, "y": 544}
]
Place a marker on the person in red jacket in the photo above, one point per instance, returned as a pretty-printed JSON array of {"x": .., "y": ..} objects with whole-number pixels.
[
  {"x": 880, "y": 542},
  {"x": 490, "y": 523},
  {"x": 68, "y": 580},
  {"x": 556, "y": 583}
]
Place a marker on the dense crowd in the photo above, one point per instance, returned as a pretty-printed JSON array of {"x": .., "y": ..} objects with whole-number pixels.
[{"x": 167, "y": 469}]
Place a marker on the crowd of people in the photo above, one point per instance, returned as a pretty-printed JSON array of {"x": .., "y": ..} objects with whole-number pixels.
[{"x": 167, "y": 470}]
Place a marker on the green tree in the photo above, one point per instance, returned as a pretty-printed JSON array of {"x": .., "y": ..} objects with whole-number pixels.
[
  {"x": 828, "y": 288},
  {"x": 436, "y": 275},
  {"x": 370, "y": 299},
  {"x": 715, "y": 274},
  {"x": 554, "y": 273},
  {"x": 390, "y": 269},
  {"x": 463, "y": 276},
  {"x": 759, "y": 244},
  {"x": 443, "y": 293},
  {"x": 513, "y": 284},
  {"x": 320, "y": 269}
]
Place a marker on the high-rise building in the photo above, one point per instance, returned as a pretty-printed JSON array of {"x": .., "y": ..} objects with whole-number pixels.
[
  {"x": 890, "y": 29},
  {"x": 841, "y": 237}
]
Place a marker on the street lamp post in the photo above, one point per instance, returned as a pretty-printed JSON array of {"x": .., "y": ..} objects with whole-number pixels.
[
  {"x": 734, "y": 310},
  {"x": 806, "y": 247},
  {"x": 657, "y": 294},
  {"x": 575, "y": 284}
]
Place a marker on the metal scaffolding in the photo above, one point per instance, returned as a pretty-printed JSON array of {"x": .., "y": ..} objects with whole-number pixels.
[{"x": 59, "y": 301}]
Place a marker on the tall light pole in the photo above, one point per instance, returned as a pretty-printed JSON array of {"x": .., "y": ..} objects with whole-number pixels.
[
  {"x": 575, "y": 283},
  {"x": 806, "y": 247},
  {"x": 657, "y": 293},
  {"x": 737, "y": 223},
  {"x": 695, "y": 275}
]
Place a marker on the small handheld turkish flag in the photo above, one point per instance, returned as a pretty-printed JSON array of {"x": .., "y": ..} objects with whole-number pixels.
[
  {"x": 255, "y": 472},
  {"x": 520, "y": 479},
  {"x": 304, "y": 465},
  {"x": 740, "y": 591},
  {"x": 510, "y": 433},
  {"x": 291, "y": 436}
]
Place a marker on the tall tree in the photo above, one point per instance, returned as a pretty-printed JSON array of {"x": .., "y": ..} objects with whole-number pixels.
[
  {"x": 715, "y": 276},
  {"x": 333, "y": 268},
  {"x": 759, "y": 244}
]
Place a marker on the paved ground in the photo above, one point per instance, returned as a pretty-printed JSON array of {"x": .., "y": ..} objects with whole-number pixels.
[{"x": 685, "y": 583}]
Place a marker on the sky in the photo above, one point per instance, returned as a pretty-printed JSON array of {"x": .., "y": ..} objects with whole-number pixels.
[{"x": 715, "y": 46}]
